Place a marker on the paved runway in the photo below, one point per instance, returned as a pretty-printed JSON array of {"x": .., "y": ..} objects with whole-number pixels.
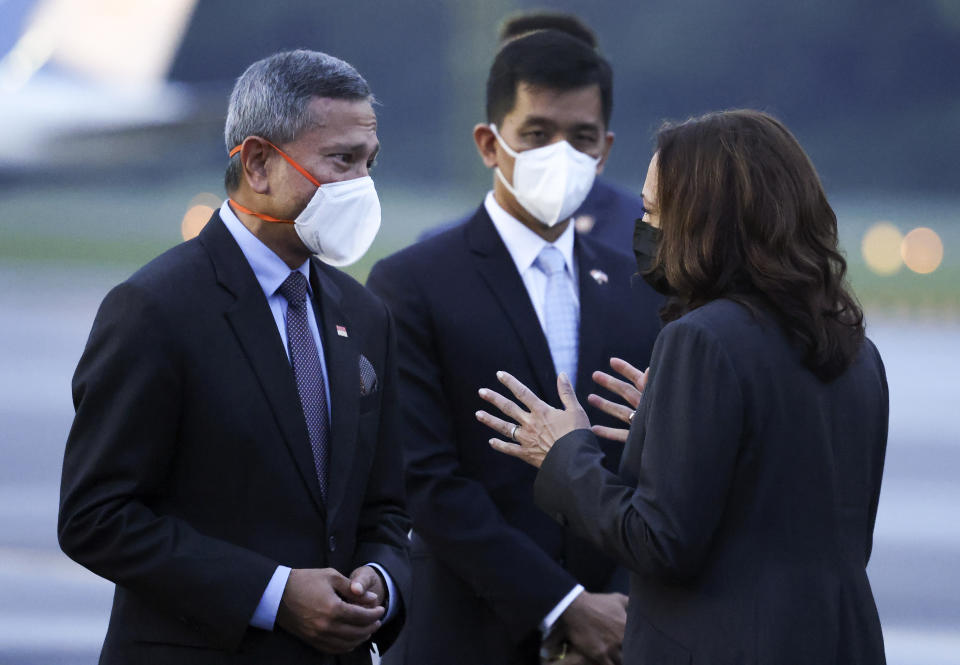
[{"x": 54, "y": 612}]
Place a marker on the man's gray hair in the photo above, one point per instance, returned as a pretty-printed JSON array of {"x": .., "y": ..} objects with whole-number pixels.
[{"x": 271, "y": 99}]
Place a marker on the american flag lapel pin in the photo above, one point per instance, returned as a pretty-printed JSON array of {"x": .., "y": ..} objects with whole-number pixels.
[
  {"x": 342, "y": 331},
  {"x": 599, "y": 276}
]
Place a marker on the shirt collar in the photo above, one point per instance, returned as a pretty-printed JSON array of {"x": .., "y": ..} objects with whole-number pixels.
[
  {"x": 269, "y": 268},
  {"x": 523, "y": 244}
]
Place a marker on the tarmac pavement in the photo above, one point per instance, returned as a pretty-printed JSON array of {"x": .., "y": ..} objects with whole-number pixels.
[{"x": 53, "y": 612}]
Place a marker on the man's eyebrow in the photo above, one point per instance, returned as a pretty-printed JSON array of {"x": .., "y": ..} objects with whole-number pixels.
[
  {"x": 589, "y": 126},
  {"x": 536, "y": 120},
  {"x": 344, "y": 147}
]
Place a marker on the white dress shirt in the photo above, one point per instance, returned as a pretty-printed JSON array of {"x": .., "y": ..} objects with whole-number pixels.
[
  {"x": 271, "y": 271},
  {"x": 524, "y": 246}
]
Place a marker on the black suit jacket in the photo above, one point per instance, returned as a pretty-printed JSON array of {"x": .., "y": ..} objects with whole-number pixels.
[
  {"x": 488, "y": 566},
  {"x": 745, "y": 503},
  {"x": 188, "y": 475}
]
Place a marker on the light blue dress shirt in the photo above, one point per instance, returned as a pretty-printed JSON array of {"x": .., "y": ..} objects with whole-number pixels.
[
  {"x": 524, "y": 246},
  {"x": 270, "y": 271}
]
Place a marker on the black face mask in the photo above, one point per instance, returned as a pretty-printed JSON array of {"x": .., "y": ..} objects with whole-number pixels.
[{"x": 646, "y": 242}]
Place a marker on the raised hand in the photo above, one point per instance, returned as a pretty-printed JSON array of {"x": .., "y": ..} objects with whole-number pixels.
[
  {"x": 313, "y": 608},
  {"x": 536, "y": 430},
  {"x": 631, "y": 391}
]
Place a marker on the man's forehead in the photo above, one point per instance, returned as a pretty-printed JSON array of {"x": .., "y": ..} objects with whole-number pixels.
[
  {"x": 583, "y": 105},
  {"x": 329, "y": 112}
]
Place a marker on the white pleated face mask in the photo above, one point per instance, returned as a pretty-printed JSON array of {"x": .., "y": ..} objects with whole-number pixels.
[
  {"x": 549, "y": 182},
  {"x": 340, "y": 221}
]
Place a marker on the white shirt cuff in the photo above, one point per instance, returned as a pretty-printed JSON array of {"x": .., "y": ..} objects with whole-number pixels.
[
  {"x": 265, "y": 616},
  {"x": 391, "y": 592},
  {"x": 546, "y": 626}
]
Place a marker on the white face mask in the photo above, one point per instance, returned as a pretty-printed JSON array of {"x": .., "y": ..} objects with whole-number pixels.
[
  {"x": 549, "y": 182},
  {"x": 340, "y": 221}
]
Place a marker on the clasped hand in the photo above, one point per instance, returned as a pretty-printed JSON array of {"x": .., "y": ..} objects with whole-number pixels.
[
  {"x": 333, "y": 613},
  {"x": 538, "y": 428}
]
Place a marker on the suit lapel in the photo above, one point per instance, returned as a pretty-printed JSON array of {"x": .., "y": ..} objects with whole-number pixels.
[
  {"x": 498, "y": 270},
  {"x": 595, "y": 298},
  {"x": 342, "y": 355},
  {"x": 252, "y": 322}
]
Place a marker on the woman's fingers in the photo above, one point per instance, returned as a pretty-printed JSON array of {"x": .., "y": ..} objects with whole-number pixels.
[
  {"x": 498, "y": 425},
  {"x": 625, "y": 390},
  {"x": 508, "y": 407},
  {"x": 512, "y": 449},
  {"x": 618, "y": 411},
  {"x": 521, "y": 392},
  {"x": 611, "y": 433},
  {"x": 634, "y": 375}
]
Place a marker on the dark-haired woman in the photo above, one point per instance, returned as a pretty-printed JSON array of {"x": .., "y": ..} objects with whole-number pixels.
[{"x": 746, "y": 498}]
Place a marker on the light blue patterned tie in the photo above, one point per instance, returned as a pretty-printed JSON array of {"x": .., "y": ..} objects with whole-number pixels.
[
  {"x": 561, "y": 313},
  {"x": 308, "y": 372}
]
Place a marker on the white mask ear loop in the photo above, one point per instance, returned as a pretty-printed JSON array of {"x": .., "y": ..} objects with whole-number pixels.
[
  {"x": 510, "y": 151},
  {"x": 503, "y": 144}
]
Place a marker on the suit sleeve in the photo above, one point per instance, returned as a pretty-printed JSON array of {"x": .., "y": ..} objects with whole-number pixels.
[
  {"x": 664, "y": 524},
  {"x": 127, "y": 392},
  {"x": 453, "y": 513},
  {"x": 383, "y": 525}
]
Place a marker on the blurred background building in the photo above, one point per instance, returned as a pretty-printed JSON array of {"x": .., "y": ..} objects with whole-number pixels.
[{"x": 111, "y": 150}]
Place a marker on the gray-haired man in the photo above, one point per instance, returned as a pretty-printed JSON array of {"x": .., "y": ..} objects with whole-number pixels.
[{"x": 232, "y": 466}]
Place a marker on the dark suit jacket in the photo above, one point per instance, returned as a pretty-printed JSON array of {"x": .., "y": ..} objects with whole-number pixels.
[
  {"x": 745, "y": 503},
  {"x": 188, "y": 474},
  {"x": 607, "y": 215},
  {"x": 488, "y": 566}
]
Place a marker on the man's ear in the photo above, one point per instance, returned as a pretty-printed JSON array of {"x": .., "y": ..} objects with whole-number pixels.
[
  {"x": 486, "y": 144},
  {"x": 608, "y": 143},
  {"x": 253, "y": 156}
]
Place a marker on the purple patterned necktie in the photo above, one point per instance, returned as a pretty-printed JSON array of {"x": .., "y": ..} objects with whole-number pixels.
[{"x": 308, "y": 372}]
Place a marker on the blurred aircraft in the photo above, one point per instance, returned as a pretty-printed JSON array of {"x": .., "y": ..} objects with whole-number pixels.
[{"x": 74, "y": 75}]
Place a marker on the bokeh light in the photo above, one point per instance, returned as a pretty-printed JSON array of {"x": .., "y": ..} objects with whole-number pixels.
[
  {"x": 881, "y": 248},
  {"x": 193, "y": 222},
  {"x": 208, "y": 199},
  {"x": 922, "y": 250}
]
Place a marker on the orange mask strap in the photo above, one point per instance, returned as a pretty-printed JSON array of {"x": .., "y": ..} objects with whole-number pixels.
[
  {"x": 303, "y": 171},
  {"x": 266, "y": 218}
]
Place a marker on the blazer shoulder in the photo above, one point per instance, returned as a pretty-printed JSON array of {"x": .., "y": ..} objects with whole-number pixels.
[
  {"x": 176, "y": 272},
  {"x": 605, "y": 254},
  {"x": 720, "y": 314},
  {"x": 732, "y": 324},
  {"x": 440, "y": 250}
]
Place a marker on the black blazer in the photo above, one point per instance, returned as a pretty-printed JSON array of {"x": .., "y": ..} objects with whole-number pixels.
[
  {"x": 188, "y": 475},
  {"x": 488, "y": 566},
  {"x": 745, "y": 503}
]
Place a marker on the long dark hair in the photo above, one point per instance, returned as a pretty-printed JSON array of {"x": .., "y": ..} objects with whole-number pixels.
[{"x": 744, "y": 217}]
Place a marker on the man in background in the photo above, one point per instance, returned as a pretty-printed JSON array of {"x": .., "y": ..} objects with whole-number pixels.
[
  {"x": 513, "y": 288},
  {"x": 233, "y": 464},
  {"x": 609, "y": 211}
]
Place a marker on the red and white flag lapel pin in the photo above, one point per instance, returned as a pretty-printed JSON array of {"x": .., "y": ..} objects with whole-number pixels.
[
  {"x": 599, "y": 276},
  {"x": 342, "y": 331}
]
